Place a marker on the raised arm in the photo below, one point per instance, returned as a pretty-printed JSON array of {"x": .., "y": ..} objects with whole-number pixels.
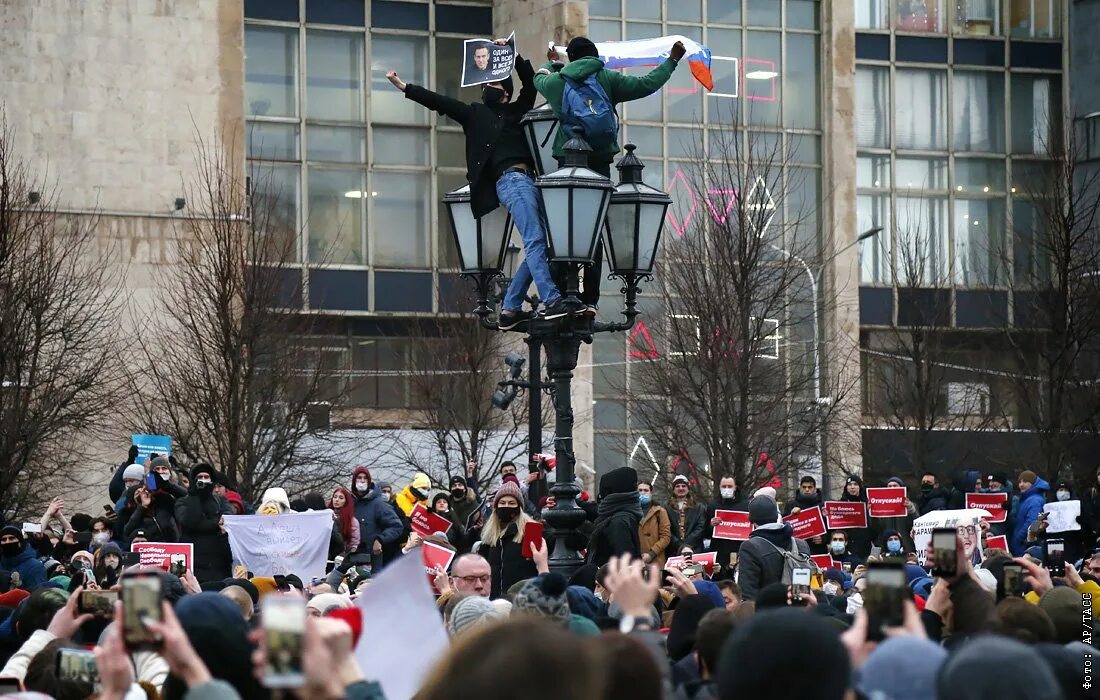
[
  {"x": 447, "y": 106},
  {"x": 527, "y": 92},
  {"x": 633, "y": 87}
]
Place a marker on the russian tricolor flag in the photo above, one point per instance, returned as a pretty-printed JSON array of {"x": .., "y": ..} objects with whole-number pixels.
[{"x": 652, "y": 52}]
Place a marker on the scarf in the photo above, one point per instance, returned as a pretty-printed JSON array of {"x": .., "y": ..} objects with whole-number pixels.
[{"x": 619, "y": 503}]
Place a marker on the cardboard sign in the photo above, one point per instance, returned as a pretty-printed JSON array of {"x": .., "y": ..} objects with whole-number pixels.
[
  {"x": 965, "y": 523},
  {"x": 888, "y": 502},
  {"x": 842, "y": 515},
  {"x": 163, "y": 554},
  {"x": 995, "y": 503},
  {"x": 426, "y": 523},
  {"x": 485, "y": 62},
  {"x": 998, "y": 542},
  {"x": 825, "y": 561},
  {"x": 734, "y": 525},
  {"x": 807, "y": 523},
  {"x": 709, "y": 560},
  {"x": 1062, "y": 516},
  {"x": 148, "y": 444},
  {"x": 434, "y": 556}
]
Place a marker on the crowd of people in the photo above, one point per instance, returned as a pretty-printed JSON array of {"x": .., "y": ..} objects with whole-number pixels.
[{"x": 626, "y": 623}]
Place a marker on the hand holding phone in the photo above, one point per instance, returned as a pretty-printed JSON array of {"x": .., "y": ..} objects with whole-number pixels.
[
  {"x": 142, "y": 595},
  {"x": 284, "y": 623},
  {"x": 1055, "y": 557},
  {"x": 98, "y": 603},
  {"x": 884, "y": 598},
  {"x": 945, "y": 560},
  {"x": 532, "y": 535},
  {"x": 77, "y": 665},
  {"x": 1010, "y": 583}
]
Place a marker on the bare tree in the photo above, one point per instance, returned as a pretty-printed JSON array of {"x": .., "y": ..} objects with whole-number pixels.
[
  {"x": 729, "y": 383},
  {"x": 229, "y": 370},
  {"x": 60, "y": 306}
]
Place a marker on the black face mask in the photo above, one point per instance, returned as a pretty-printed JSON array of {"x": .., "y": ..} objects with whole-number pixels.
[
  {"x": 926, "y": 488},
  {"x": 10, "y": 549},
  {"x": 507, "y": 514},
  {"x": 492, "y": 95},
  {"x": 458, "y": 493},
  {"x": 417, "y": 494}
]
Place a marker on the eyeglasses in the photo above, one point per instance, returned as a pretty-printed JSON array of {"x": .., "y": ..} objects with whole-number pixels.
[{"x": 471, "y": 580}]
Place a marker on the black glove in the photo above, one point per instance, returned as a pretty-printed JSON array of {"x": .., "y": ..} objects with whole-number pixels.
[
  {"x": 345, "y": 564},
  {"x": 133, "y": 454}
]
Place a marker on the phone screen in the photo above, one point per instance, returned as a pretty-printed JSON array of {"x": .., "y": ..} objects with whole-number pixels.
[
  {"x": 98, "y": 603},
  {"x": 532, "y": 533},
  {"x": 1056, "y": 557},
  {"x": 284, "y": 620},
  {"x": 800, "y": 583},
  {"x": 141, "y": 597},
  {"x": 1010, "y": 580},
  {"x": 944, "y": 554},
  {"x": 884, "y": 599},
  {"x": 9, "y": 686},
  {"x": 151, "y": 481},
  {"x": 77, "y": 665}
]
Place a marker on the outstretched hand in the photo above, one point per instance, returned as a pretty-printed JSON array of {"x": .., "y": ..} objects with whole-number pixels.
[
  {"x": 678, "y": 51},
  {"x": 396, "y": 80},
  {"x": 632, "y": 591}
]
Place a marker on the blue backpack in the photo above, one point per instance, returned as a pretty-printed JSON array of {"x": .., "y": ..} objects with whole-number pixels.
[{"x": 586, "y": 108}]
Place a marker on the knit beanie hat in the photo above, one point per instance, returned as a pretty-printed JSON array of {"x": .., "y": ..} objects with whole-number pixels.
[
  {"x": 977, "y": 672},
  {"x": 471, "y": 612},
  {"x": 134, "y": 471},
  {"x": 766, "y": 491},
  {"x": 264, "y": 584},
  {"x": 895, "y": 480},
  {"x": 1062, "y": 605},
  {"x": 456, "y": 479},
  {"x": 160, "y": 462},
  {"x": 508, "y": 488},
  {"x": 763, "y": 511},
  {"x": 902, "y": 668},
  {"x": 580, "y": 47},
  {"x": 14, "y": 531},
  {"x": 621, "y": 480},
  {"x": 1028, "y": 476},
  {"x": 421, "y": 482},
  {"x": 545, "y": 596},
  {"x": 324, "y": 602}
]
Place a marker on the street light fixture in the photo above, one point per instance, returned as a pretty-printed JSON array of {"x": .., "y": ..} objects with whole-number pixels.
[
  {"x": 540, "y": 126},
  {"x": 480, "y": 242},
  {"x": 575, "y": 201}
]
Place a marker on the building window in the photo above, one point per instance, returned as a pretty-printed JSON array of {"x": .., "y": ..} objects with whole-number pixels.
[
  {"x": 1036, "y": 113},
  {"x": 1035, "y": 19},
  {"x": 922, "y": 125},
  {"x": 873, "y": 106},
  {"x": 872, "y": 211},
  {"x": 979, "y": 242},
  {"x": 918, "y": 15},
  {"x": 336, "y": 203},
  {"x": 872, "y": 14},
  {"x": 922, "y": 242},
  {"x": 271, "y": 71},
  {"x": 977, "y": 111},
  {"x": 977, "y": 17},
  {"x": 1089, "y": 135},
  {"x": 334, "y": 75}
]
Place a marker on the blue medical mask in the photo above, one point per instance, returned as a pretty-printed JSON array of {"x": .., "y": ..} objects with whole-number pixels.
[
  {"x": 837, "y": 547},
  {"x": 644, "y": 499},
  {"x": 893, "y": 546}
]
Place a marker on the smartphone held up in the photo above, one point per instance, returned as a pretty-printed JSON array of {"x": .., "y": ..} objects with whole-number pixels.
[
  {"x": 284, "y": 624},
  {"x": 142, "y": 596}
]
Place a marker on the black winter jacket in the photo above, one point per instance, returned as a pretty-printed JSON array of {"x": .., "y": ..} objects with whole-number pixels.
[
  {"x": 507, "y": 562},
  {"x": 724, "y": 547},
  {"x": 482, "y": 126},
  {"x": 758, "y": 562},
  {"x": 198, "y": 515},
  {"x": 159, "y": 521}
]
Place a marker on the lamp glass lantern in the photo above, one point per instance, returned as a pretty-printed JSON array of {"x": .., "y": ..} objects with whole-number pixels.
[
  {"x": 481, "y": 242},
  {"x": 635, "y": 218},
  {"x": 540, "y": 126},
  {"x": 575, "y": 201}
]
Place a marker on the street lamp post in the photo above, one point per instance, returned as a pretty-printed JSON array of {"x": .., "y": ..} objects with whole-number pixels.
[{"x": 577, "y": 203}]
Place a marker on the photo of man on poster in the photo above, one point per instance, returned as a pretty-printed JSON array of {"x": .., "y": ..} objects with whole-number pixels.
[{"x": 484, "y": 61}]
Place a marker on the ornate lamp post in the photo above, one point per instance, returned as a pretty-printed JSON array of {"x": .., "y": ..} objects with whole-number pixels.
[{"x": 540, "y": 126}]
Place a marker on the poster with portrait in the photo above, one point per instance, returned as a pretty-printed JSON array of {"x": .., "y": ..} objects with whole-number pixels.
[
  {"x": 966, "y": 524},
  {"x": 485, "y": 62}
]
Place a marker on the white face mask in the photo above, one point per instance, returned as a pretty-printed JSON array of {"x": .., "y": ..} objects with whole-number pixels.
[
  {"x": 727, "y": 492},
  {"x": 829, "y": 588},
  {"x": 1063, "y": 495},
  {"x": 855, "y": 602},
  {"x": 101, "y": 537},
  {"x": 599, "y": 595}
]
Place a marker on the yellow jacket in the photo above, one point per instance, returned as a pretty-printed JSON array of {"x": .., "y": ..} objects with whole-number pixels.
[
  {"x": 1086, "y": 587},
  {"x": 406, "y": 501}
]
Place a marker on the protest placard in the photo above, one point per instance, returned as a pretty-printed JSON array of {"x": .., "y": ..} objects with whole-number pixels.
[
  {"x": 295, "y": 543},
  {"x": 426, "y": 523},
  {"x": 163, "y": 555},
  {"x": 435, "y": 555},
  {"x": 733, "y": 525},
  {"x": 964, "y": 521},
  {"x": 807, "y": 523},
  {"x": 708, "y": 559},
  {"x": 148, "y": 444},
  {"x": 825, "y": 561},
  {"x": 486, "y": 62},
  {"x": 887, "y": 502},
  {"x": 1062, "y": 516},
  {"x": 995, "y": 503},
  {"x": 997, "y": 542},
  {"x": 842, "y": 515}
]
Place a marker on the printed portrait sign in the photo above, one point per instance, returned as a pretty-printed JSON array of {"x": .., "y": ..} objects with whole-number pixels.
[
  {"x": 163, "y": 555},
  {"x": 485, "y": 62}
]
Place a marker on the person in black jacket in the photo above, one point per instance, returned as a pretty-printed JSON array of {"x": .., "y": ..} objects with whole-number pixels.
[
  {"x": 932, "y": 497},
  {"x": 619, "y": 512},
  {"x": 760, "y": 561},
  {"x": 859, "y": 539},
  {"x": 689, "y": 518},
  {"x": 500, "y": 171},
  {"x": 730, "y": 500},
  {"x": 501, "y": 540},
  {"x": 154, "y": 512},
  {"x": 199, "y": 514},
  {"x": 807, "y": 497}
]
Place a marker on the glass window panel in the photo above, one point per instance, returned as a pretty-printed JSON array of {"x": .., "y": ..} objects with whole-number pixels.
[
  {"x": 803, "y": 203},
  {"x": 723, "y": 102},
  {"x": 409, "y": 57},
  {"x": 450, "y": 149},
  {"x": 400, "y": 210},
  {"x": 924, "y": 126},
  {"x": 805, "y": 148},
  {"x": 448, "y": 254},
  {"x": 448, "y": 75},
  {"x": 979, "y": 175},
  {"x": 685, "y": 94},
  {"x": 873, "y": 106},
  {"x": 762, "y": 67},
  {"x": 271, "y": 71},
  {"x": 922, "y": 242},
  {"x": 392, "y": 356},
  {"x": 604, "y": 8},
  {"x": 684, "y": 11},
  {"x": 978, "y": 18},
  {"x": 642, "y": 30},
  {"x": 873, "y": 171},
  {"x": 872, "y": 14},
  {"x": 1036, "y": 113},
  {"x": 334, "y": 75},
  {"x": 609, "y": 370},
  {"x": 918, "y": 15},
  {"x": 649, "y": 108},
  {"x": 684, "y": 143},
  {"x": 1034, "y": 177},
  {"x": 922, "y": 173},
  {"x": 605, "y": 30},
  {"x": 979, "y": 242},
  {"x": 762, "y": 13},
  {"x": 608, "y": 415},
  {"x": 336, "y": 216},
  {"x": 394, "y": 146},
  {"x": 874, "y": 253},
  {"x": 977, "y": 111},
  {"x": 272, "y": 141},
  {"x": 1038, "y": 19},
  {"x": 643, "y": 9},
  {"x": 1031, "y": 265},
  {"x": 609, "y": 453},
  {"x": 803, "y": 104},
  {"x": 275, "y": 203},
  {"x": 346, "y": 12},
  {"x": 802, "y": 14},
  {"x": 648, "y": 139},
  {"x": 726, "y": 12},
  {"x": 336, "y": 143}
]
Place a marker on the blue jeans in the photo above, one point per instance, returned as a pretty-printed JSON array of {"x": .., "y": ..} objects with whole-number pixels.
[{"x": 517, "y": 192}]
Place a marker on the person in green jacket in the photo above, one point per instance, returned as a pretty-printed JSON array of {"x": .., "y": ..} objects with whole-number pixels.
[{"x": 584, "y": 60}]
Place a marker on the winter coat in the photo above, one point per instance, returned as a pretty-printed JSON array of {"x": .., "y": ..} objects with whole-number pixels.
[
  {"x": 618, "y": 86},
  {"x": 1031, "y": 504},
  {"x": 377, "y": 519},
  {"x": 655, "y": 534},
  {"x": 465, "y": 508},
  {"x": 936, "y": 499},
  {"x": 690, "y": 533},
  {"x": 159, "y": 521},
  {"x": 198, "y": 514},
  {"x": 724, "y": 547},
  {"x": 859, "y": 538},
  {"x": 616, "y": 528},
  {"x": 507, "y": 562},
  {"x": 32, "y": 572},
  {"x": 759, "y": 563},
  {"x": 482, "y": 125}
]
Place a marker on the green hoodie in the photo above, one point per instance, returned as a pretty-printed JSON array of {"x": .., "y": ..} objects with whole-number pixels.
[{"x": 619, "y": 87}]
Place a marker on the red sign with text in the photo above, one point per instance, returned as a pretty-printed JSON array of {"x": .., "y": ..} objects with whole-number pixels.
[
  {"x": 163, "y": 554},
  {"x": 842, "y": 515},
  {"x": 825, "y": 561},
  {"x": 426, "y": 523},
  {"x": 998, "y": 542},
  {"x": 888, "y": 502},
  {"x": 734, "y": 525},
  {"x": 435, "y": 556},
  {"x": 807, "y": 523},
  {"x": 708, "y": 559},
  {"x": 995, "y": 503}
]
